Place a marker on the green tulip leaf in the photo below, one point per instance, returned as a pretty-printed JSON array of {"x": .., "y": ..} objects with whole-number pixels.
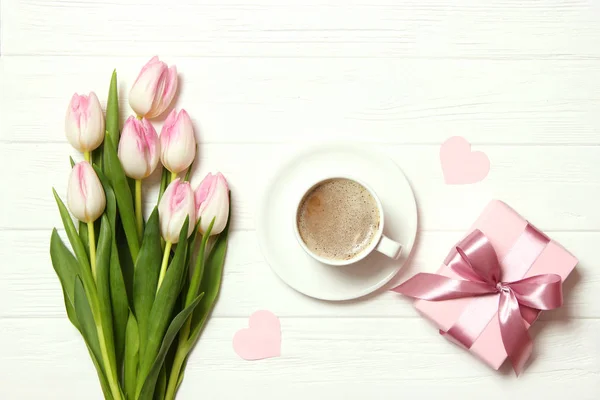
[
  {"x": 72, "y": 234},
  {"x": 210, "y": 286},
  {"x": 66, "y": 268},
  {"x": 127, "y": 263},
  {"x": 211, "y": 283},
  {"x": 103, "y": 382},
  {"x": 120, "y": 305},
  {"x": 111, "y": 202},
  {"x": 164, "y": 182},
  {"x": 147, "y": 269},
  {"x": 163, "y": 306},
  {"x": 103, "y": 258},
  {"x": 83, "y": 235},
  {"x": 86, "y": 320},
  {"x": 84, "y": 270},
  {"x": 118, "y": 289},
  {"x": 150, "y": 382},
  {"x": 161, "y": 384},
  {"x": 112, "y": 111},
  {"x": 192, "y": 245},
  {"x": 98, "y": 155},
  {"x": 132, "y": 354},
  {"x": 198, "y": 271},
  {"x": 112, "y": 123},
  {"x": 116, "y": 176}
]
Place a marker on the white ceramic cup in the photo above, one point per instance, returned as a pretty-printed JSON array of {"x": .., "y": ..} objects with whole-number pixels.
[{"x": 380, "y": 242}]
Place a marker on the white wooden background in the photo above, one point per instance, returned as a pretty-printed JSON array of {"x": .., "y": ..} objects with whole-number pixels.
[{"x": 520, "y": 79}]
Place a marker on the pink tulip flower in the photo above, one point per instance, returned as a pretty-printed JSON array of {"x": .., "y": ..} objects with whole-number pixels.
[
  {"x": 154, "y": 89},
  {"x": 175, "y": 205},
  {"x": 177, "y": 142},
  {"x": 85, "y": 195},
  {"x": 212, "y": 201},
  {"x": 84, "y": 122},
  {"x": 139, "y": 148}
]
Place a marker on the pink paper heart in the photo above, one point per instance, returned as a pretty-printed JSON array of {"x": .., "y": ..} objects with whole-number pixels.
[
  {"x": 461, "y": 165},
  {"x": 262, "y": 338}
]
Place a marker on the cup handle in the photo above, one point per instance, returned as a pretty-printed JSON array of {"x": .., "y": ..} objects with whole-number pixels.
[{"x": 389, "y": 247}]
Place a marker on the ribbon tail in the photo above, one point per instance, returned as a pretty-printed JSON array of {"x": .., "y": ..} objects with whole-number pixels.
[{"x": 516, "y": 340}]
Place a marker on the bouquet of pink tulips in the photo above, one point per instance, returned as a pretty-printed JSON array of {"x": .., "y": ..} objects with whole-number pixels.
[{"x": 142, "y": 291}]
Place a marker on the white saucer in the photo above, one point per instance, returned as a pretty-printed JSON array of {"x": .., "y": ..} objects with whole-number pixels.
[{"x": 276, "y": 211}]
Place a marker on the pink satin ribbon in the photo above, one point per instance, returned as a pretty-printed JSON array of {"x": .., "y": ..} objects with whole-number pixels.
[{"x": 475, "y": 260}]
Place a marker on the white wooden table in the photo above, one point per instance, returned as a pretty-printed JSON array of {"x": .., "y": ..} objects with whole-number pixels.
[{"x": 519, "y": 79}]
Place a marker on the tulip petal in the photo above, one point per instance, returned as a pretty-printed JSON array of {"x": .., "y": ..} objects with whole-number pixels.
[
  {"x": 85, "y": 195},
  {"x": 93, "y": 135},
  {"x": 202, "y": 191},
  {"x": 165, "y": 92},
  {"x": 175, "y": 206},
  {"x": 177, "y": 142},
  {"x": 144, "y": 89},
  {"x": 153, "y": 61},
  {"x": 154, "y": 89},
  {"x": 138, "y": 148},
  {"x": 212, "y": 201},
  {"x": 84, "y": 122}
]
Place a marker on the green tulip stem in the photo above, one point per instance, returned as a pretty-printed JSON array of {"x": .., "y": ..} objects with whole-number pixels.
[
  {"x": 92, "y": 240},
  {"x": 87, "y": 155},
  {"x": 173, "y": 176},
  {"x": 182, "y": 347},
  {"x": 178, "y": 362},
  {"x": 138, "y": 209},
  {"x": 111, "y": 374},
  {"x": 165, "y": 262}
]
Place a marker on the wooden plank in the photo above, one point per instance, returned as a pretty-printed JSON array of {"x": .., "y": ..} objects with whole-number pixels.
[
  {"x": 30, "y": 288},
  {"x": 294, "y": 100},
  {"x": 262, "y": 78},
  {"x": 563, "y": 179},
  {"x": 499, "y": 29},
  {"x": 334, "y": 358}
]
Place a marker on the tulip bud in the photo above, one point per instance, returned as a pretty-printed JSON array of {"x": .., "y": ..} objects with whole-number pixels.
[
  {"x": 175, "y": 205},
  {"x": 84, "y": 123},
  {"x": 212, "y": 201},
  {"x": 85, "y": 195},
  {"x": 177, "y": 142},
  {"x": 138, "y": 148},
  {"x": 154, "y": 89}
]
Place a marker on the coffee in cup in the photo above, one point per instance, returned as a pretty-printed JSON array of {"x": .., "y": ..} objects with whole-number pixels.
[{"x": 338, "y": 219}]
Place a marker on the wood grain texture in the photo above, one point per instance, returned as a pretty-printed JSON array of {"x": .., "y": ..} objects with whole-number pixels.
[
  {"x": 263, "y": 78},
  {"x": 564, "y": 179},
  {"x": 321, "y": 358},
  {"x": 295, "y": 100},
  {"x": 499, "y": 29},
  {"x": 250, "y": 285}
]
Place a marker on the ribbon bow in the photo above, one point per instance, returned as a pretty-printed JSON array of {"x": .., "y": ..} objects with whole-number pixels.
[{"x": 475, "y": 260}]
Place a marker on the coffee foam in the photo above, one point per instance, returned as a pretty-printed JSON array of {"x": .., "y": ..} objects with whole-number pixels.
[{"x": 338, "y": 219}]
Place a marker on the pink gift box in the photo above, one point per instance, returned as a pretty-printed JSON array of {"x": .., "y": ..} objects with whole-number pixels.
[{"x": 503, "y": 227}]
